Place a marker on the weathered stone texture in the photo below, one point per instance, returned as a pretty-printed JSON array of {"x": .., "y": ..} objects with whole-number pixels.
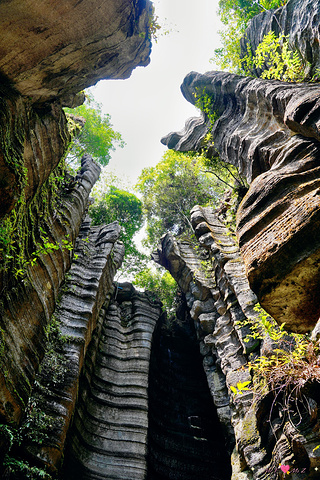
[
  {"x": 269, "y": 131},
  {"x": 109, "y": 435},
  {"x": 70, "y": 45},
  {"x": 89, "y": 285},
  {"x": 32, "y": 142},
  {"x": 27, "y": 307},
  {"x": 263, "y": 439}
]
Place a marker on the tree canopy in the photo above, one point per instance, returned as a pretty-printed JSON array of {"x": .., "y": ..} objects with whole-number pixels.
[
  {"x": 97, "y": 137},
  {"x": 119, "y": 205},
  {"x": 170, "y": 190}
]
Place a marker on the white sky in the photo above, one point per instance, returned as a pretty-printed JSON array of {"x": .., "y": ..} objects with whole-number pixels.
[{"x": 149, "y": 104}]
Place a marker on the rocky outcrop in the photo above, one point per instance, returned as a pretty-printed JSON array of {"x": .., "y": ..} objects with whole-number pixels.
[
  {"x": 68, "y": 46},
  {"x": 266, "y": 438},
  {"x": 269, "y": 130},
  {"x": 297, "y": 19},
  {"x": 27, "y": 306},
  {"x": 98, "y": 255},
  {"x": 109, "y": 435},
  {"x": 49, "y": 52},
  {"x": 214, "y": 306}
]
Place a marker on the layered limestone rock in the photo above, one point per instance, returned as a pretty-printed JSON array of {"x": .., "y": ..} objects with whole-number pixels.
[
  {"x": 27, "y": 306},
  {"x": 32, "y": 143},
  {"x": 70, "y": 45},
  {"x": 98, "y": 255},
  {"x": 213, "y": 304},
  {"x": 108, "y": 439},
  {"x": 66, "y": 46},
  {"x": 269, "y": 131},
  {"x": 219, "y": 297}
]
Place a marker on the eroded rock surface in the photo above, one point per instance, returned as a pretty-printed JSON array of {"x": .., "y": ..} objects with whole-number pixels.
[
  {"x": 89, "y": 286},
  {"x": 219, "y": 297},
  {"x": 109, "y": 435},
  {"x": 49, "y": 51},
  {"x": 70, "y": 45},
  {"x": 270, "y": 131}
]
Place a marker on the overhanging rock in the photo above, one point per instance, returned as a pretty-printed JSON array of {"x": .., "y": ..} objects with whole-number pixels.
[{"x": 270, "y": 131}]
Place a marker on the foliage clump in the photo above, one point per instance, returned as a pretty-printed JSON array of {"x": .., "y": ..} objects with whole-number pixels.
[
  {"x": 235, "y": 15},
  {"x": 116, "y": 204},
  {"x": 288, "y": 368},
  {"x": 161, "y": 283},
  {"x": 25, "y": 231},
  {"x": 276, "y": 60},
  {"x": 97, "y": 137}
]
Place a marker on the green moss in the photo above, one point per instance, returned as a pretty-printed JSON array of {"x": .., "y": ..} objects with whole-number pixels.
[
  {"x": 25, "y": 231},
  {"x": 250, "y": 434}
]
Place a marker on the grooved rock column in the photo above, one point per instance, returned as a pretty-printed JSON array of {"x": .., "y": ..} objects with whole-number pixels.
[
  {"x": 108, "y": 439},
  {"x": 89, "y": 285},
  {"x": 270, "y": 131},
  {"x": 26, "y": 308}
]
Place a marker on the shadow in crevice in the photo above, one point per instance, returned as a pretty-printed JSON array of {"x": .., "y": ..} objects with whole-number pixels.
[{"x": 185, "y": 440}]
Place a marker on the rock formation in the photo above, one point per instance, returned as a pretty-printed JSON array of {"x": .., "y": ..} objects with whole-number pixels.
[
  {"x": 68, "y": 46},
  {"x": 220, "y": 301},
  {"x": 269, "y": 131},
  {"x": 96, "y": 382},
  {"x": 109, "y": 433},
  {"x": 27, "y": 306},
  {"x": 87, "y": 288},
  {"x": 49, "y": 53}
]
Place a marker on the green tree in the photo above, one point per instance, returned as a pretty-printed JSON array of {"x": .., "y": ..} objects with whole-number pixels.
[
  {"x": 170, "y": 190},
  {"x": 160, "y": 282},
  {"x": 97, "y": 137},
  {"x": 126, "y": 208}
]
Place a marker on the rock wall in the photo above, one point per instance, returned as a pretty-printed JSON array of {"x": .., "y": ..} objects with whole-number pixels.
[
  {"x": 68, "y": 46},
  {"x": 49, "y": 52},
  {"x": 219, "y": 297},
  {"x": 87, "y": 288},
  {"x": 268, "y": 129},
  {"x": 108, "y": 439},
  {"x": 27, "y": 306}
]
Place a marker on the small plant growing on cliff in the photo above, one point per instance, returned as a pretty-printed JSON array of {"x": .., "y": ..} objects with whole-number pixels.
[
  {"x": 205, "y": 103},
  {"x": 240, "y": 387},
  {"x": 21, "y": 470},
  {"x": 280, "y": 62},
  {"x": 287, "y": 370}
]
